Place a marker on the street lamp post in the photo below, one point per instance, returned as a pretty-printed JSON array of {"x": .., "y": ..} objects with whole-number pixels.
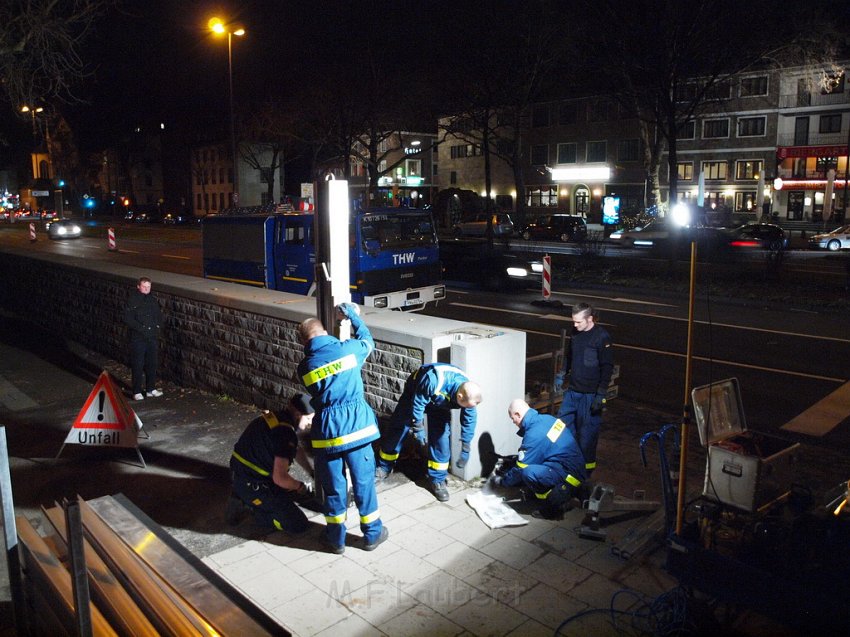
[
  {"x": 218, "y": 27},
  {"x": 32, "y": 112}
]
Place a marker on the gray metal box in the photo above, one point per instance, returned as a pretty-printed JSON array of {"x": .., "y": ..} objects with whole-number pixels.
[{"x": 744, "y": 469}]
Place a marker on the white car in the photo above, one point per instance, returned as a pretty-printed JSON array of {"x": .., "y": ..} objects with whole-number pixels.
[
  {"x": 646, "y": 237},
  {"x": 835, "y": 240}
]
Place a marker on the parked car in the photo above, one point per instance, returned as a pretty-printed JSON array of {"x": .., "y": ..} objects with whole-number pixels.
[
  {"x": 493, "y": 268},
  {"x": 558, "y": 227},
  {"x": 765, "y": 236},
  {"x": 645, "y": 237},
  {"x": 476, "y": 226},
  {"x": 63, "y": 229},
  {"x": 834, "y": 240}
]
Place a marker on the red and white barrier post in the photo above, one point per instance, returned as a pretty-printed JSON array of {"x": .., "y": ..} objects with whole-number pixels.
[
  {"x": 33, "y": 238},
  {"x": 547, "y": 277},
  {"x": 110, "y": 233}
]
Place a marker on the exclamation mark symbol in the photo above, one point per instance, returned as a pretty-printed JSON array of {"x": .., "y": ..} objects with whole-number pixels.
[{"x": 101, "y": 396}]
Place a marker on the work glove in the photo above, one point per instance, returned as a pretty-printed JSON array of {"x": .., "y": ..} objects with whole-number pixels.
[
  {"x": 347, "y": 310},
  {"x": 558, "y": 385},
  {"x": 305, "y": 491},
  {"x": 418, "y": 431},
  {"x": 464, "y": 455},
  {"x": 598, "y": 404}
]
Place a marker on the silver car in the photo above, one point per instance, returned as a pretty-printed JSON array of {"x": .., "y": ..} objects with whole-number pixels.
[
  {"x": 835, "y": 240},
  {"x": 646, "y": 237},
  {"x": 476, "y": 226}
]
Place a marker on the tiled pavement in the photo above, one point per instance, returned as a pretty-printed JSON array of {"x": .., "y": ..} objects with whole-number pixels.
[{"x": 441, "y": 572}]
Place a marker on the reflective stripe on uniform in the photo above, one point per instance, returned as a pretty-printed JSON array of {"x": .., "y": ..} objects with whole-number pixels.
[
  {"x": 543, "y": 496},
  {"x": 271, "y": 419},
  {"x": 521, "y": 465},
  {"x": 277, "y": 525},
  {"x": 439, "y": 466},
  {"x": 251, "y": 465},
  {"x": 334, "y": 367},
  {"x": 555, "y": 430},
  {"x": 441, "y": 379},
  {"x": 335, "y": 519},
  {"x": 344, "y": 440},
  {"x": 389, "y": 457},
  {"x": 365, "y": 519},
  {"x": 590, "y": 465},
  {"x": 572, "y": 480}
]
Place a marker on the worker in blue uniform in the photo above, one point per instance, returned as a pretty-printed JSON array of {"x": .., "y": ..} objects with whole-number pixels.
[
  {"x": 433, "y": 390},
  {"x": 549, "y": 464},
  {"x": 260, "y": 464},
  {"x": 344, "y": 425},
  {"x": 589, "y": 363}
]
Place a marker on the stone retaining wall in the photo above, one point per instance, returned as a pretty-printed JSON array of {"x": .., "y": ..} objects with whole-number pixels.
[{"x": 211, "y": 340}]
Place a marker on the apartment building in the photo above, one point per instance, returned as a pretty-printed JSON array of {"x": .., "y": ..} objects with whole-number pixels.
[
  {"x": 764, "y": 143},
  {"x": 212, "y": 178},
  {"x": 406, "y": 165}
]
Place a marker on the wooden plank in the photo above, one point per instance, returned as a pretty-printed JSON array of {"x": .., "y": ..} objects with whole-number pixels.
[
  {"x": 40, "y": 558},
  {"x": 110, "y": 596}
]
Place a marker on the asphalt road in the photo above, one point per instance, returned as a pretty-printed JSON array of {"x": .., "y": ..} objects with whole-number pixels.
[{"x": 792, "y": 366}]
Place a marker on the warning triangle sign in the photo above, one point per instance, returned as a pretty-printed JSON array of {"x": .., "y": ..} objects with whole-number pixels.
[{"x": 106, "y": 419}]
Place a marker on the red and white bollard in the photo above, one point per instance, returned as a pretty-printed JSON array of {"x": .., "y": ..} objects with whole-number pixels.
[
  {"x": 547, "y": 277},
  {"x": 32, "y": 233},
  {"x": 110, "y": 233}
]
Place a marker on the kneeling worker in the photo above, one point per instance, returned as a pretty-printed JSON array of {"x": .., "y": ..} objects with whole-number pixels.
[
  {"x": 260, "y": 466},
  {"x": 433, "y": 390},
  {"x": 550, "y": 462}
]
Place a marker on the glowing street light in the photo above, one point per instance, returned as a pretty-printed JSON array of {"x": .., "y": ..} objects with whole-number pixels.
[
  {"x": 32, "y": 112},
  {"x": 219, "y": 27}
]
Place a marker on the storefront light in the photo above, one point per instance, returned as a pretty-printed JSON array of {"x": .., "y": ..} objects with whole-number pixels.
[{"x": 594, "y": 173}]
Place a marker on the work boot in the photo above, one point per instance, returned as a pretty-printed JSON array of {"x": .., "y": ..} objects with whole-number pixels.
[
  {"x": 383, "y": 535},
  {"x": 439, "y": 490},
  {"x": 138, "y": 396},
  {"x": 235, "y": 511},
  {"x": 548, "y": 513},
  {"x": 381, "y": 474},
  {"x": 154, "y": 393}
]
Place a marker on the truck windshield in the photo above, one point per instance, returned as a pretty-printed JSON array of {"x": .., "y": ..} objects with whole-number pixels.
[{"x": 389, "y": 231}]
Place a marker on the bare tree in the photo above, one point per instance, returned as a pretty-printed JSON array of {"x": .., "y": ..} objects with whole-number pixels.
[
  {"x": 40, "y": 42},
  {"x": 271, "y": 130},
  {"x": 512, "y": 65},
  {"x": 666, "y": 59}
]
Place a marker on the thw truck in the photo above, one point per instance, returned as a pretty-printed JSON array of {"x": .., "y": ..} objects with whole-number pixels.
[{"x": 394, "y": 254}]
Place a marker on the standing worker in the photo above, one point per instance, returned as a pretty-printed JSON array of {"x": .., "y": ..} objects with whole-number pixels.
[
  {"x": 344, "y": 425},
  {"x": 589, "y": 363},
  {"x": 260, "y": 464},
  {"x": 433, "y": 390},
  {"x": 144, "y": 318},
  {"x": 549, "y": 463}
]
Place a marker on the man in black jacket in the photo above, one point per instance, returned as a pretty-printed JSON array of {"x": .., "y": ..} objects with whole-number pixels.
[
  {"x": 143, "y": 317},
  {"x": 589, "y": 364}
]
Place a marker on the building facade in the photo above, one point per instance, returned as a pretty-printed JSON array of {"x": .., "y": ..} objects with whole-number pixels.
[
  {"x": 212, "y": 178},
  {"x": 763, "y": 142}
]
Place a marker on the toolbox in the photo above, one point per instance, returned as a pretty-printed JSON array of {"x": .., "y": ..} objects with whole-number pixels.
[{"x": 746, "y": 470}]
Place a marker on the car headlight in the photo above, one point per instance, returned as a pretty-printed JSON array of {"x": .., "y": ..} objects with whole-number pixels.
[
  {"x": 537, "y": 268},
  {"x": 381, "y": 301},
  {"x": 616, "y": 235},
  {"x": 61, "y": 230},
  {"x": 517, "y": 272},
  {"x": 440, "y": 292}
]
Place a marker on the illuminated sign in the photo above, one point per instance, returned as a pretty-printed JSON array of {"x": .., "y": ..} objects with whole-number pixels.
[
  {"x": 810, "y": 151},
  {"x": 594, "y": 173}
]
